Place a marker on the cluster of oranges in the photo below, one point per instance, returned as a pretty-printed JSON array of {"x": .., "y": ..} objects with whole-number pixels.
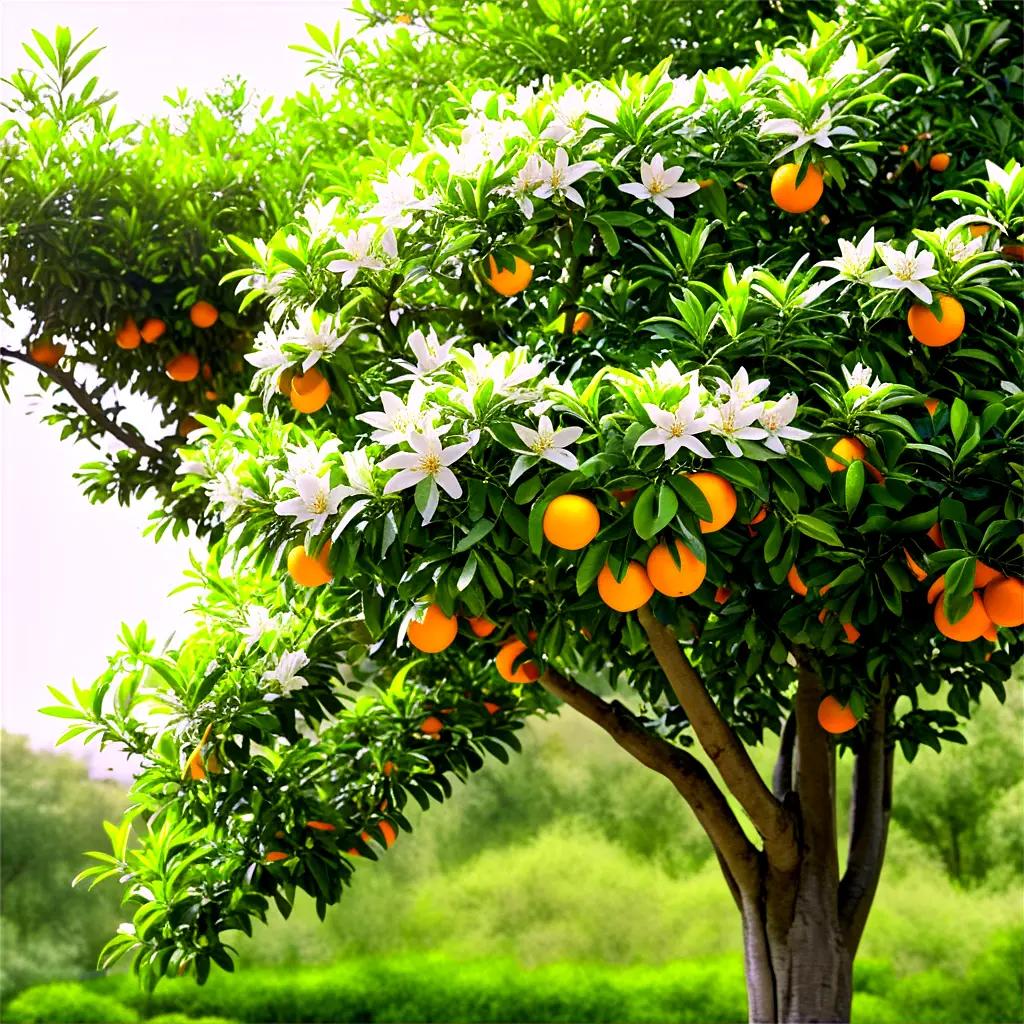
[
  {"x": 388, "y": 832},
  {"x": 571, "y": 522},
  {"x": 308, "y": 391}
]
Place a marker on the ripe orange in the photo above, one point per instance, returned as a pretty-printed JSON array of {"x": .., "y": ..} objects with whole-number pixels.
[
  {"x": 284, "y": 382},
  {"x": 760, "y": 517},
  {"x": 970, "y": 627},
  {"x": 634, "y": 591},
  {"x": 720, "y": 495},
  {"x": 934, "y": 534},
  {"x": 1013, "y": 252},
  {"x": 675, "y": 580},
  {"x": 1004, "y": 601},
  {"x": 990, "y": 634},
  {"x": 481, "y": 627},
  {"x": 932, "y": 332},
  {"x": 152, "y": 329},
  {"x": 309, "y": 390},
  {"x": 796, "y": 584},
  {"x": 509, "y": 282},
  {"x": 795, "y": 198},
  {"x": 321, "y": 826},
  {"x": 431, "y": 725},
  {"x": 45, "y": 353},
  {"x": 835, "y": 717},
  {"x": 624, "y": 497},
  {"x": 210, "y": 395},
  {"x": 435, "y": 632},
  {"x": 527, "y": 672},
  {"x": 491, "y": 707},
  {"x": 276, "y": 855},
  {"x": 939, "y": 162},
  {"x": 936, "y": 589},
  {"x": 187, "y": 424},
  {"x": 849, "y": 449},
  {"x": 196, "y": 771},
  {"x": 918, "y": 573},
  {"x": 183, "y": 367},
  {"x": 977, "y": 230},
  {"x": 203, "y": 314},
  {"x": 389, "y": 833},
  {"x": 722, "y": 595},
  {"x": 128, "y": 336},
  {"x": 307, "y": 571},
  {"x": 581, "y": 322},
  {"x": 388, "y": 768},
  {"x": 851, "y": 631},
  {"x": 931, "y": 404},
  {"x": 571, "y": 522}
]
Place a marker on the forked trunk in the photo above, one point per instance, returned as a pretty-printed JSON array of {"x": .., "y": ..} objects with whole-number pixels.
[{"x": 798, "y": 968}]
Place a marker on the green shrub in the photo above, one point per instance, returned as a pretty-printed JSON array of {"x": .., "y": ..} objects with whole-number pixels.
[
  {"x": 67, "y": 1003},
  {"x": 184, "y": 1018}
]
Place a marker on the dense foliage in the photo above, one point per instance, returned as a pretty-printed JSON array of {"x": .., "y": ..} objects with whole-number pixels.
[{"x": 570, "y": 353}]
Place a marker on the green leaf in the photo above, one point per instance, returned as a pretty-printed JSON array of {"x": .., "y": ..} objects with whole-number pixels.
[
  {"x": 854, "y": 485},
  {"x": 817, "y": 529},
  {"x": 475, "y": 535}
]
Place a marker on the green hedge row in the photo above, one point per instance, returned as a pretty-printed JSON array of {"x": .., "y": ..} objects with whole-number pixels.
[{"x": 434, "y": 989}]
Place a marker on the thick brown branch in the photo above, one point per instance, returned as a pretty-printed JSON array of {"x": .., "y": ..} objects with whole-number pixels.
[
  {"x": 723, "y": 746},
  {"x": 870, "y": 811},
  {"x": 682, "y": 769},
  {"x": 815, "y": 771},
  {"x": 782, "y": 776},
  {"x": 84, "y": 401}
]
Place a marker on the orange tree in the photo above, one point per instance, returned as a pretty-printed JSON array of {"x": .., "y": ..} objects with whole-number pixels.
[{"x": 687, "y": 388}]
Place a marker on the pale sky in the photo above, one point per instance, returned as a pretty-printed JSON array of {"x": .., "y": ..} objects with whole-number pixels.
[{"x": 72, "y": 572}]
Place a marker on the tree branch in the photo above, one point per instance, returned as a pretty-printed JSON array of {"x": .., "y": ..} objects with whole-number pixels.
[
  {"x": 870, "y": 811},
  {"x": 815, "y": 770},
  {"x": 782, "y": 776},
  {"x": 92, "y": 409},
  {"x": 723, "y": 746},
  {"x": 682, "y": 769}
]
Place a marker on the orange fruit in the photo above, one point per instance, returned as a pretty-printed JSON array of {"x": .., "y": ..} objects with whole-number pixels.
[
  {"x": 527, "y": 671},
  {"x": 1004, "y": 601},
  {"x": 309, "y": 390},
  {"x": 183, "y": 367},
  {"x": 984, "y": 575},
  {"x": 581, "y": 322},
  {"x": 990, "y": 634},
  {"x": 977, "y": 230},
  {"x": 571, "y": 522},
  {"x": 388, "y": 831},
  {"x": 851, "y": 631},
  {"x": 936, "y": 589},
  {"x": 128, "y": 336},
  {"x": 284, "y": 382},
  {"x": 431, "y": 725},
  {"x": 307, "y": 571},
  {"x": 388, "y": 768},
  {"x": 481, "y": 627},
  {"x": 932, "y": 332},
  {"x": 276, "y": 855},
  {"x": 196, "y": 771},
  {"x": 970, "y": 627},
  {"x": 939, "y": 162},
  {"x": 796, "y": 584},
  {"x": 760, "y": 517},
  {"x": 152, "y": 329},
  {"x": 509, "y": 282},
  {"x": 320, "y": 826},
  {"x": 720, "y": 495},
  {"x": 931, "y": 404},
  {"x": 491, "y": 707},
  {"x": 624, "y": 497},
  {"x": 795, "y": 198},
  {"x": 848, "y": 449},
  {"x": 918, "y": 573},
  {"x": 634, "y": 590},
  {"x": 675, "y": 580},
  {"x": 404, "y": 19},
  {"x": 435, "y": 632},
  {"x": 904, "y": 148},
  {"x": 45, "y": 353},
  {"x": 835, "y": 717},
  {"x": 203, "y": 314},
  {"x": 187, "y": 424},
  {"x": 1013, "y": 252},
  {"x": 210, "y": 395},
  {"x": 934, "y": 534},
  {"x": 722, "y": 595},
  {"x": 213, "y": 763}
]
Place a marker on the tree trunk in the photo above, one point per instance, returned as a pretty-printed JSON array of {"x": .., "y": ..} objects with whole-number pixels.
[{"x": 798, "y": 968}]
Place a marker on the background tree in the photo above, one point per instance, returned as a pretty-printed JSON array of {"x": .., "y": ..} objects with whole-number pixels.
[{"x": 633, "y": 330}]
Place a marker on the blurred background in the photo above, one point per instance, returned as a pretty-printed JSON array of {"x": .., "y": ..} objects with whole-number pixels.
[{"x": 569, "y": 880}]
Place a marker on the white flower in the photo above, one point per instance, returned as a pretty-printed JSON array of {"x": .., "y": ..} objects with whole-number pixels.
[
  {"x": 504, "y": 370},
  {"x": 428, "y": 461},
  {"x": 956, "y": 245},
  {"x": 677, "y": 429},
  {"x": 392, "y": 426},
  {"x": 573, "y": 109},
  {"x": 1009, "y": 387},
  {"x": 318, "y": 339},
  {"x": 358, "y": 472},
  {"x": 308, "y": 460},
  {"x": 852, "y": 264},
  {"x": 660, "y": 184},
  {"x": 316, "y": 501},
  {"x": 226, "y": 489},
  {"x": 284, "y": 679},
  {"x": 358, "y": 245},
  {"x": 667, "y": 375},
  {"x": 320, "y": 218},
  {"x": 397, "y": 198},
  {"x": 1004, "y": 179},
  {"x": 776, "y": 417},
  {"x": 861, "y": 376},
  {"x": 557, "y": 179},
  {"x": 905, "y": 270},
  {"x": 190, "y": 467},
  {"x": 267, "y": 351},
  {"x": 741, "y": 389},
  {"x": 526, "y": 179},
  {"x": 732, "y": 421},
  {"x": 430, "y": 353},
  {"x": 547, "y": 443},
  {"x": 259, "y": 621},
  {"x": 819, "y": 132}
]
